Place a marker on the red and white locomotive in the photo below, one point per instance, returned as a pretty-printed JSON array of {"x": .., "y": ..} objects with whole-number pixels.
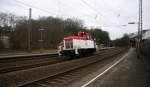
[{"x": 80, "y": 44}]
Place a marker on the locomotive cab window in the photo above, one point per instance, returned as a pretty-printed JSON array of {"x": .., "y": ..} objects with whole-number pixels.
[{"x": 69, "y": 44}]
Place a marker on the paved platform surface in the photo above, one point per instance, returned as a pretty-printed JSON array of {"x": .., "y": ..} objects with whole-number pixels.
[
  {"x": 14, "y": 53},
  {"x": 25, "y": 53},
  {"x": 127, "y": 71},
  {"x": 130, "y": 72}
]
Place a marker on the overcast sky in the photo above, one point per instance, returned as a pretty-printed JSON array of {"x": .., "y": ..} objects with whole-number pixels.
[{"x": 110, "y": 15}]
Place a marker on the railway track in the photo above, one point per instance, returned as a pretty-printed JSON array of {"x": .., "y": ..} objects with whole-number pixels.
[
  {"x": 12, "y": 76},
  {"x": 62, "y": 80},
  {"x": 14, "y": 64}
]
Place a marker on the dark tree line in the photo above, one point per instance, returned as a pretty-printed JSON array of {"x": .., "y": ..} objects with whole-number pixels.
[
  {"x": 54, "y": 31},
  {"x": 100, "y": 36},
  {"x": 123, "y": 41}
]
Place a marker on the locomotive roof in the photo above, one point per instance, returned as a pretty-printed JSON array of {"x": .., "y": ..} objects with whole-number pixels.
[{"x": 80, "y": 36}]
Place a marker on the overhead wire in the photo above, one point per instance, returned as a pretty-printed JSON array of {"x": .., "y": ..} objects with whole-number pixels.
[
  {"x": 92, "y": 8},
  {"x": 28, "y": 5},
  {"x": 52, "y": 13},
  {"x": 84, "y": 14}
]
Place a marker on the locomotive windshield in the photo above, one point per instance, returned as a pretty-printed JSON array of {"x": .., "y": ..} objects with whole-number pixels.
[{"x": 69, "y": 43}]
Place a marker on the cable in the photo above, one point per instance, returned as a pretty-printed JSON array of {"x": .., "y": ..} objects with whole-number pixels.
[
  {"x": 35, "y": 7},
  {"x": 43, "y": 9},
  {"x": 55, "y": 13},
  {"x": 67, "y": 5},
  {"x": 90, "y": 7}
]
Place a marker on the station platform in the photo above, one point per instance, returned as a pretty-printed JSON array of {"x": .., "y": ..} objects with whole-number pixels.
[
  {"x": 8, "y": 54},
  {"x": 129, "y": 71},
  {"x": 13, "y": 53}
]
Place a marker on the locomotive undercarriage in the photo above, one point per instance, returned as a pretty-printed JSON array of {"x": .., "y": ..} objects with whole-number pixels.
[{"x": 77, "y": 52}]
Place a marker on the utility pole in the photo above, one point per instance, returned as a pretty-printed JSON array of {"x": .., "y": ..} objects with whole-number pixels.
[
  {"x": 140, "y": 30},
  {"x": 141, "y": 19},
  {"x": 29, "y": 31}
]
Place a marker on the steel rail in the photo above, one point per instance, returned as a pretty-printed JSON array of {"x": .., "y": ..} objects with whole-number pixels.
[{"x": 22, "y": 77}]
